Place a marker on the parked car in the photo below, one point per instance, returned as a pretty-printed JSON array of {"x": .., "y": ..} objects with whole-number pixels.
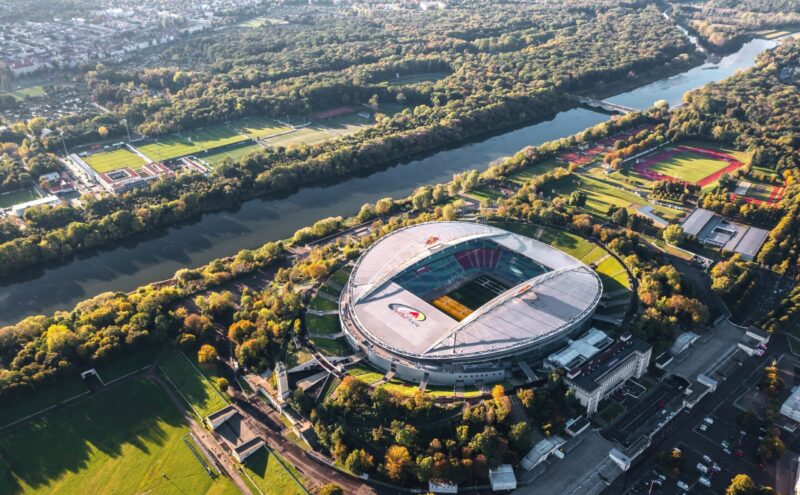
[
  {"x": 682, "y": 485},
  {"x": 704, "y": 481},
  {"x": 703, "y": 427},
  {"x": 739, "y": 453},
  {"x": 708, "y": 420},
  {"x": 702, "y": 468},
  {"x": 707, "y": 459}
]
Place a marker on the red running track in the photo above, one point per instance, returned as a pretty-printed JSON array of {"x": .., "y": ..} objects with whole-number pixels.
[{"x": 644, "y": 168}]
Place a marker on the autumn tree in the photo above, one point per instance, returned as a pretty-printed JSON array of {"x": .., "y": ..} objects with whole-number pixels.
[{"x": 207, "y": 354}]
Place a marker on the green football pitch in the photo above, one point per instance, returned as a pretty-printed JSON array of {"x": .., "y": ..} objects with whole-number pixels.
[
  {"x": 688, "y": 166},
  {"x": 106, "y": 161},
  {"x": 127, "y": 440},
  {"x": 190, "y": 142},
  {"x": 478, "y": 292}
]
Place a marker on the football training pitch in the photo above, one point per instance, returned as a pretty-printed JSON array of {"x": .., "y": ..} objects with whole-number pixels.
[
  {"x": 106, "y": 161},
  {"x": 694, "y": 165},
  {"x": 191, "y": 142},
  {"x": 123, "y": 441}
]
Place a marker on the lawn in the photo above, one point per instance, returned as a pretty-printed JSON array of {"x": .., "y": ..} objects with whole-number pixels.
[
  {"x": 128, "y": 440},
  {"x": 234, "y": 154},
  {"x": 9, "y": 199},
  {"x": 324, "y": 325},
  {"x": 271, "y": 476},
  {"x": 610, "y": 412},
  {"x": 416, "y": 78},
  {"x": 106, "y": 161},
  {"x": 31, "y": 92},
  {"x": 260, "y": 127},
  {"x": 193, "y": 385},
  {"x": 307, "y": 135},
  {"x": 321, "y": 304},
  {"x": 528, "y": 173},
  {"x": 262, "y": 21},
  {"x": 341, "y": 276},
  {"x": 332, "y": 347},
  {"x": 366, "y": 375},
  {"x": 613, "y": 274},
  {"x": 688, "y": 166},
  {"x": 594, "y": 255},
  {"x": 126, "y": 364},
  {"x": 168, "y": 147},
  {"x": 16, "y": 409}
]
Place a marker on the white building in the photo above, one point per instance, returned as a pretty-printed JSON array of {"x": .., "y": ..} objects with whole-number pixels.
[
  {"x": 791, "y": 406},
  {"x": 20, "y": 209},
  {"x": 596, "y": 365},
  {"x": 503, "y": 478}
]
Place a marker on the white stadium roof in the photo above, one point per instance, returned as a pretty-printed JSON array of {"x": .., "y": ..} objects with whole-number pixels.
[{"x": 534, "y": 310}]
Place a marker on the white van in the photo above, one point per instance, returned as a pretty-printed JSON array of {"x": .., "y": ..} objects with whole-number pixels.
[
  {"x": 702, "y": 468},
  {"x": 704, "y": 481}
]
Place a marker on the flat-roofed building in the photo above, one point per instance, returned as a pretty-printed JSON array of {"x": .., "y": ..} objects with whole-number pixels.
[
  {"x": 596, "y": 378},
  {"x": 791, "y": 406},
  {"x": 714, "y": 230}
]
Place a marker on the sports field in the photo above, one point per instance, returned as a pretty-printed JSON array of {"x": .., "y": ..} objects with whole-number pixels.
[
  {"x": 271, "y": 476},
  {"x": 478, "y": 292},
  {"x": 106, "y": 161},
  {"x": 451, "y": 307},
  {"x": 260, "y": 127},
  {"x": 16, "y": 197},
  {"x": 190, "y": 142},
  {"x": 30, "y": 92},
  {"x": 760, "y": 193},
  {"x": 416, "y": 78},
  {"x": 690, "y": 164},
  {"x": 215, "y": 159},
  {"x": 128, "y": 440},
  {"x": 195, "y": 388}
]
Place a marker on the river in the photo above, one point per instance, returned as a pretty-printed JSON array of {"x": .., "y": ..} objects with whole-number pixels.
[{"x": 157, "y": 256}]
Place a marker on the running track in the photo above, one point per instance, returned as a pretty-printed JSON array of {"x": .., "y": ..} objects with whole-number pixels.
[{"x": 644, "y": 168}]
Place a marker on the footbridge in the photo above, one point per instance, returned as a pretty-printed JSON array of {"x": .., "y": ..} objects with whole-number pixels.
[{"x": 605, "y": 105}]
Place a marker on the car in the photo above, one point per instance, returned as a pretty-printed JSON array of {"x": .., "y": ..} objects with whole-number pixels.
[
  {"x": 704, "y": 481},
  {"x": 716, "y": 468},
  {"x": 726, "y": 450},
  {"x": 703, "y": 427},
  {"x": 702, "y": 468},
  {"x": 759, "y": 352},
  {"x": 709, "y": 421},
  {"x": 662, "y": 477},
  {"x": 739, "y": 453},
  {"x": 762, "y": 345},
  {"x": 707, "y": 459},
  {"x": 677, "y": 450},
  {"x": 725, "y": 444},
  {"x": 682, "y": 485}
]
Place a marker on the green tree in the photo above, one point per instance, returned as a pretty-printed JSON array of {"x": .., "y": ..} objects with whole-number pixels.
[{"x": 673, "y": 234}]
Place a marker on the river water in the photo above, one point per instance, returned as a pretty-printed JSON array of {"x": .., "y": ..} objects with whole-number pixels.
[{"x": 155, "y": 257}]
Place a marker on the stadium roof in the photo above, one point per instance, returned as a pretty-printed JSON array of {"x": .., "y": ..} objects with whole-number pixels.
[{"x": 530, "y": 312}]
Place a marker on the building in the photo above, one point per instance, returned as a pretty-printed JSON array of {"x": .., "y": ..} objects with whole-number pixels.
[
  {"x": 455, "y": 303},
  {"x": 791, "y": 406},
  {"x": 713, "y": 230},
  {"x": 682, "y": 342},
  {"x": 21, "y": 208},
  {"x": 282, "y": 380},
  {"x": 503, "y": 478},
  {"x": 542, "y": 451},
  {"x": 231, "y": 429},
  {"x": 597, "y": 365}
]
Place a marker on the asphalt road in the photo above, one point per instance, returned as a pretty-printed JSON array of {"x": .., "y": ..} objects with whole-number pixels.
[{"x": 685, "y": 431}]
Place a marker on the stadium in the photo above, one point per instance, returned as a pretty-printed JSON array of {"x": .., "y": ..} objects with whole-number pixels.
[{"x": 451, "y": 303}]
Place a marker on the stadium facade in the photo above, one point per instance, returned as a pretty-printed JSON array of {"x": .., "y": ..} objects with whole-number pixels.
[{"x": 455, "y": 302}]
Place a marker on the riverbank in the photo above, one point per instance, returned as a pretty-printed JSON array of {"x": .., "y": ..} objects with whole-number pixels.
[{"x": 137, "y": 261}]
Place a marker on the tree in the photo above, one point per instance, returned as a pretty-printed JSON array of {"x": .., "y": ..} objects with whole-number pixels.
[
  {"x": 398, "y": 463},
  {"x": 359, "y": 461},
  {"x": 620, "y": 216},
  {"x": 222, "y": 383},
  {"x": 742, "y": 484},
  {"x": 102, "y": 131},
  {"x": 673, "y": 234},
  {"x": 448, "y": 212},
  {"x": 331, "y": 489},
  {"x": 207, "y": 354}
]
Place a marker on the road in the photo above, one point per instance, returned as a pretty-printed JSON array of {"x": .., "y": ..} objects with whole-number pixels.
[{"x": 714, "y": 404}]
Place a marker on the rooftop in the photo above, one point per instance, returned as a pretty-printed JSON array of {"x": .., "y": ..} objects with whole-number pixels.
[
  {"x": 536, "y": 309},
  {"x": 710, "y": 228},
  {"x": 591, "y": 374}
]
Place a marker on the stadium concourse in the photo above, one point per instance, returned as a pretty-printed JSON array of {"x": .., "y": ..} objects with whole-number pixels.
[{"x": 451, "y": 303}]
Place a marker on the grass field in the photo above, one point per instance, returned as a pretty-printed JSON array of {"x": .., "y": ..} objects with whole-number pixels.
[
  {"x": 262, "y": 21},
  {"x": 31, "y": 92},
  {"x": 366, "y": 375},
  {"x": 613, "y": 275},
  {"x": 128, "y": 440},
  {"x": 451, "y": 307},
  {"x": 215, "y": 159},
  {"x": 526, "y": 174},
  {"x": 260, "y": 127},
  {"x": 16, "y": 197},
  {"x": 191, "y": 142},
  {"x": 322, "y": 130},
  {"x": 478, "y": 292},
  {"x": 332, "y": 347},
  {"x": 416, "y": 78},
  {"x": 14, "y": 410},
  {"x": 272, "y": 477},
  {"x": 324, "y": 325},
  {"x": 688, "y": 166},
  {"x": 126, "y": 364},
  {"x": 321, "y": 304},
  {"x": 106, "y": 161},
  {"x": 193, "y": 385}
]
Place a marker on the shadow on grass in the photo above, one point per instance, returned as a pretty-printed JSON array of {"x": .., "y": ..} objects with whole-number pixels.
[{"x": 66, "y": 441}]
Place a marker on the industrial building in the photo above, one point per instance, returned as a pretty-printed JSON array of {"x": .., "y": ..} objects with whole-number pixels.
[{"x": 713, "y": 230}]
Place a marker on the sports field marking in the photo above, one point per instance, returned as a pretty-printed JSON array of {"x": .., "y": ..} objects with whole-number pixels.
[
  {"x": 689, "y": 164},
  {"x": 451, "y": 307},
  {"x": 107, "y": 161}
]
